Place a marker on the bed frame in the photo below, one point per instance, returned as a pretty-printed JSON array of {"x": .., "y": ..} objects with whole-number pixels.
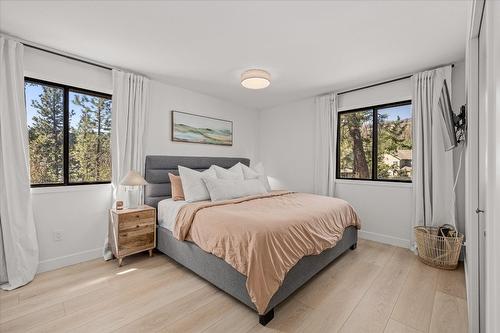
[{"x": 212, "y": 268}]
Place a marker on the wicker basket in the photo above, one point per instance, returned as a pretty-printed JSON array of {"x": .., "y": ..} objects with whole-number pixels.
[{"x": 436, "y": 250}]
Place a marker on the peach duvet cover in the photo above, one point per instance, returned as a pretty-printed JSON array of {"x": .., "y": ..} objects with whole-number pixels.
[{"x": 264, "y": 236}]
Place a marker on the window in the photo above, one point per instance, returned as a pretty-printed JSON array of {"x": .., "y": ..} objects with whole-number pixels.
[
  {"x": 374, "y": 143},
  {"x": 69, "y": 134}
]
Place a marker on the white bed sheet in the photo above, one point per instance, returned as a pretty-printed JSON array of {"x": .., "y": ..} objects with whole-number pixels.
[{"x": 167, "y": 212}]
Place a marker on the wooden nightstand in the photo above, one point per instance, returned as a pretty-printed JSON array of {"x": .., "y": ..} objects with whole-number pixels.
[{"x": 132, "y": 231}]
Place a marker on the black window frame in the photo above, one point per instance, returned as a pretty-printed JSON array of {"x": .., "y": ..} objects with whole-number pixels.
[
  {"x": 66, "y": 89},
  {"x": 374, "y": 154}
]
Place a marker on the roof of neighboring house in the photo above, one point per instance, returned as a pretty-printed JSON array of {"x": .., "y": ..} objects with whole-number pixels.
[
  {"x": 390, "y": 156},
  {"x": 404, "y": 154}
]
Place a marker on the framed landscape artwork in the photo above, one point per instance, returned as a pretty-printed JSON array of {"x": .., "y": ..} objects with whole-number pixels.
[{"x": 187, "y": 127}]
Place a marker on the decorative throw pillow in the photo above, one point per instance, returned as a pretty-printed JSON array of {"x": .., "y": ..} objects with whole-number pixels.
[
  {"x": 235, "y": 172},
  {"x": 225, "y": 189},
  {"x": 256, "y": 173},
  {"x": 192, "y": 183},
  {"x": 176, "y": 185}
]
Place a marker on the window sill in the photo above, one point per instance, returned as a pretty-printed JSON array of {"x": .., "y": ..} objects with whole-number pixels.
[
  {"x": 374, "y": 183},
  {"x": 74, "y": 188}
]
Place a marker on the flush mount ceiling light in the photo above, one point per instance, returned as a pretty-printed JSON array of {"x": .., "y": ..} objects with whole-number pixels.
[{"x": 255, "y": 79}]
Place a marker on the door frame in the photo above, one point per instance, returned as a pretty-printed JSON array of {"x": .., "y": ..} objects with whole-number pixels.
[{"x": 472, "y": 258}]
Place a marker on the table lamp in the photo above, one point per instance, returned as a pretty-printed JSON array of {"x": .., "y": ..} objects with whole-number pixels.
[{"x": 132, "y": 182}]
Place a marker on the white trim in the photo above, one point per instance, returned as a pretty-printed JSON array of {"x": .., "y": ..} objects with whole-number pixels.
[
  {"x": 75, "y": 188},
  {"x": 471, "y": 188},
  {"x": 476, "y": 16},
  {"x": 489, "y": 179},
  {"x": 373, "y": 236},
  {"x": 372, "y": 183},
  {"x": 471, "y": 261},
  {"x": 72, "y": 259}
]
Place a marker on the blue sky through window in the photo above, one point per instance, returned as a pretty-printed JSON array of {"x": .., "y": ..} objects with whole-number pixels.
[
  {"x": 76, "y": 109},
  {"x": 33, "y": 92},
  {"x": 403, "y": 111}
]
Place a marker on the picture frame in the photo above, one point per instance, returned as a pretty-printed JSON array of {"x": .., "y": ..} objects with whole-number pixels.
[{"x": 192, "y": 128}]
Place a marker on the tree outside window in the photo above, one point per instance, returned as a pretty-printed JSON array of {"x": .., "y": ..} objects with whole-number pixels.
[
  {"x": 69, "y": 134},
  {"x": 375, "y": 143}
]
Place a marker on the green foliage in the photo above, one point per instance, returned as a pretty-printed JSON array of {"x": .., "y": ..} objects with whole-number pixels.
[
  {"x": 393, "y": 137},
  {"x": 90, "y": 150},
  {"x": 46, "y": 137}
]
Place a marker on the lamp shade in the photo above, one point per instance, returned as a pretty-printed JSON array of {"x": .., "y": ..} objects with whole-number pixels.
[{"x": 133, "y": 178}]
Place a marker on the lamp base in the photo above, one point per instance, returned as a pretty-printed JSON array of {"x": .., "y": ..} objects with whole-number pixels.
[{"x": 132, "y": 198}]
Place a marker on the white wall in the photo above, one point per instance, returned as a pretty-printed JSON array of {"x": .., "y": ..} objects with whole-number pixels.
[
  {"x": 165, "y": 98},
  {"x": 46, "y": 66},
  {"x": 80, "y": 213},
  {"x": 388, "y": 93},
  {"x": 287, "y": 145}
]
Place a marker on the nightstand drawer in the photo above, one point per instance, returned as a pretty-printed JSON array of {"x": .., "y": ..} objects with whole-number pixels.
[
  {"x": 140, "y": 230},
  {"x": 129, "y": 243},
  {"x": 134, "y": 224},
  {"x": 141, "y": 215}
]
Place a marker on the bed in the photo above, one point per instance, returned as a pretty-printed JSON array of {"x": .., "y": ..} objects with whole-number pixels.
[{"x": 212, "y": 268}]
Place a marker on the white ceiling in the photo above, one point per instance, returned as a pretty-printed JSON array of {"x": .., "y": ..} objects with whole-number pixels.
[{"x": 309, "y": 47}]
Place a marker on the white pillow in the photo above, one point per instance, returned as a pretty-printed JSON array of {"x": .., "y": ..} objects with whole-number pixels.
[
  {"x": 256, "y": 172},
  {"x": 235, "y": 172},
  {"x": 224, "y": 189},
  {"x": 192, "y": 183}
]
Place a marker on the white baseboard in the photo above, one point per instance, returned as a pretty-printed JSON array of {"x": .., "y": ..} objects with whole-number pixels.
[
  {"x": 373, "y": 236},
  {"x": 75, "y": 258}
]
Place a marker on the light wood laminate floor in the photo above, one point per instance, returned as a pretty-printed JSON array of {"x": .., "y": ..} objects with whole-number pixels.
[{"x": 376, "y": 288}]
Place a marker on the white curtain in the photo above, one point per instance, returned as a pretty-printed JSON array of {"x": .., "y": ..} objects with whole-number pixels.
[
  {"x": 325, "y": 144},
  {"x": 433, "y": 195},
  {"x": 18, "y": 241},
  {"x": 129, "y": 109}
]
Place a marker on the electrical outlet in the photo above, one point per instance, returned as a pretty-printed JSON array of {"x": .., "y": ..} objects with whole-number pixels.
[{"x": 58, "y": 235}]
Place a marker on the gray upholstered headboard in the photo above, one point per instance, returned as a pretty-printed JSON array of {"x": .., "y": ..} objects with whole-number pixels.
[{"x": 158, "y": 167}]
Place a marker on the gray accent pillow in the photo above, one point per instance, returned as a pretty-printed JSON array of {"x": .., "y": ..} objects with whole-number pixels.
[{"x": 225, "y": 189}]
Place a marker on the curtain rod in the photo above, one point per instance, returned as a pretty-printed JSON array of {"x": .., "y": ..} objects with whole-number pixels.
[
  {"x": 58, "y": 53},
  {"x": 67, "y": 56},
  {"x": 374, "y": 85},
  {"x": 381, "y": 83}
]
